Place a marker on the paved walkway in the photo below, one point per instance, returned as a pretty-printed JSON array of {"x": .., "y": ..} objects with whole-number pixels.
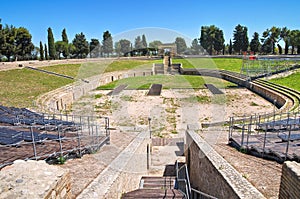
[{"x": 104, "y": 182}]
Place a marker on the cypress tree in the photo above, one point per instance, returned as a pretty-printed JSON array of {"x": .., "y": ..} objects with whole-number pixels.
[
  {"x": 107, "y": 43},
  {"x": 230, "y": 47},
  {"x": 51, "y": 45},
  {"x": 41, "y": 51},
  {"x": 64, "y": 36},
  {"x": 144, "y": 41},
  {"x": 46, "y": 53},
  {"x": 66, "y": 41}
]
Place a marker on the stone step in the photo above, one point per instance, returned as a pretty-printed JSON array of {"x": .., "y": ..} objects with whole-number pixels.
[
  {"x": 149, "y": 182},
  {"x": 150, "y": 193}
]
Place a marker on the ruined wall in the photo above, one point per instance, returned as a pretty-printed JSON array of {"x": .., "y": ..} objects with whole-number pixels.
[
  {"x": 212, "y": 174},
  {"x": 34, "y": 179},
  {"x": 290, "y": 180}
]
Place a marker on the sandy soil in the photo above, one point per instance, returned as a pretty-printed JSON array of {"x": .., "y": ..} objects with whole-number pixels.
[
  {"x": 170, "y": 113},
  {"x": 174, "y": 109}
]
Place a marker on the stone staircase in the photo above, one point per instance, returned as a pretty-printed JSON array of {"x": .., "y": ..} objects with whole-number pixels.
[
  {"x": 159, "y": 69},
  {"x": 155, "y": 187}
]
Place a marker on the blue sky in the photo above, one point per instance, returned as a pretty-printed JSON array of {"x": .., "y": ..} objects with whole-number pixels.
[{"x": 93, "y": 17}]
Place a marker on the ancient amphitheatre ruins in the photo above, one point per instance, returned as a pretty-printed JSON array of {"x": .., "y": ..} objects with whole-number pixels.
[{"x": 256, "y": 117}]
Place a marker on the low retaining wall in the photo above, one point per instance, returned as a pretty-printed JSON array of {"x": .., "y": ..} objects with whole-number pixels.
[
  {"x": 290, "y": 181},
  {"x": 212, "y": 174},
  {"x": 271, "y": 96},
  {"x": 62, "y": 98},
  {"x": 34, "y": 179},
  {"x": 268, "y": 94}
]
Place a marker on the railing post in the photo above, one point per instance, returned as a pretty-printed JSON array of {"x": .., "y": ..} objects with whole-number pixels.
[
  {"x": 148, "y": 157},
  {"x": 288, "y": 142},
  {"x": 60, "y": 143},
  {"x": 230, "y": 127},
  {"x": 33, "y": 142},
  {"x": 265, "y": 137},
  {"x": 243, "y": 134}
]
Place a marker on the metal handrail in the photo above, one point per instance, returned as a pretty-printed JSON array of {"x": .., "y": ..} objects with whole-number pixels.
[
  {"x": 188, "y": 191},
  {"x": 185, "y": 180}
]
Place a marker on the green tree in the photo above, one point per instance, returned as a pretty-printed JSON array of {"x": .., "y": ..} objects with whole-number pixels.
[
  {"x": 9, "y": 47},
  {"x": 46, "y": 53},
  {"x": 41, "y": 51},
  {"x": 23, "y": 43},
  {"x": 65, "y": 39},
  {"x": 240, "y": 39},
  {"x": 180, "y": 44},
  {"x": 72, "y": 50},
  {"x": 34, "y": 53},
  {"x": 107, "y": 43},
  {"x": 51, "y": 44},
  {"x": 195, "y": 47},
  {"x": 138, "y": 43},
  {"x": 266, "y": 47},
  {"x": 81, "y": 46},
  {"x": 279, "y": 49},
  {"x": 285, "y": 36},
  {"x": 2, "y": 39},
  {"x": 60, "y": 48},
  {"x": 64, "y": 36},
  {"x": 271, "y": 36},
  {"x": 295, "y": 40},
  {"x": 155, "y": 44},
  {"x": 230, "y": 47},
  {"x": 211, "y": 38},
  {"x": 219, "y": 40},
  {"x": 124, "y": 46},
  {"x": 15, "y": 43},
  {"x": 144, "y": 41},
  {"x": 255, "y": 44},
  {"x": 95, "y": 48}
]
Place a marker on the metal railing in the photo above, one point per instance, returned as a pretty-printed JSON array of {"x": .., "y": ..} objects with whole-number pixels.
[
  {"x": 183, "y": 184},
  {"x": 276, "y": 137},
  {"x": 51, "y": 136}
]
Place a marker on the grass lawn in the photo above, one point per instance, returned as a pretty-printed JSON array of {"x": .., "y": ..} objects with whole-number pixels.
[
  {"x": 231, "y": 64},
  {"x": 118, "y": 65},
  {"x": 168, "y": 81},
  {"x": 21, "y": 87},
  {"x": 291, "y": 81}
]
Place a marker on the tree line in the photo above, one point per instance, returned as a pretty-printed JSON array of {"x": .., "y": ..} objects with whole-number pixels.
[
  {"x": 16, "y": 44},
  {"x": 212, "y": 40}
]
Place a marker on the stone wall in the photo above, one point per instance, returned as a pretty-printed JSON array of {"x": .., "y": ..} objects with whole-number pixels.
[
  {"x": 271, "y": 96},
  {"x": 290, "y": 180},
  {"x": 34, "y": 179},
  {"x": 268, "y": 94},
  {"x": 212, "y": 174},
  {"x": 63, "y": 98}
]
